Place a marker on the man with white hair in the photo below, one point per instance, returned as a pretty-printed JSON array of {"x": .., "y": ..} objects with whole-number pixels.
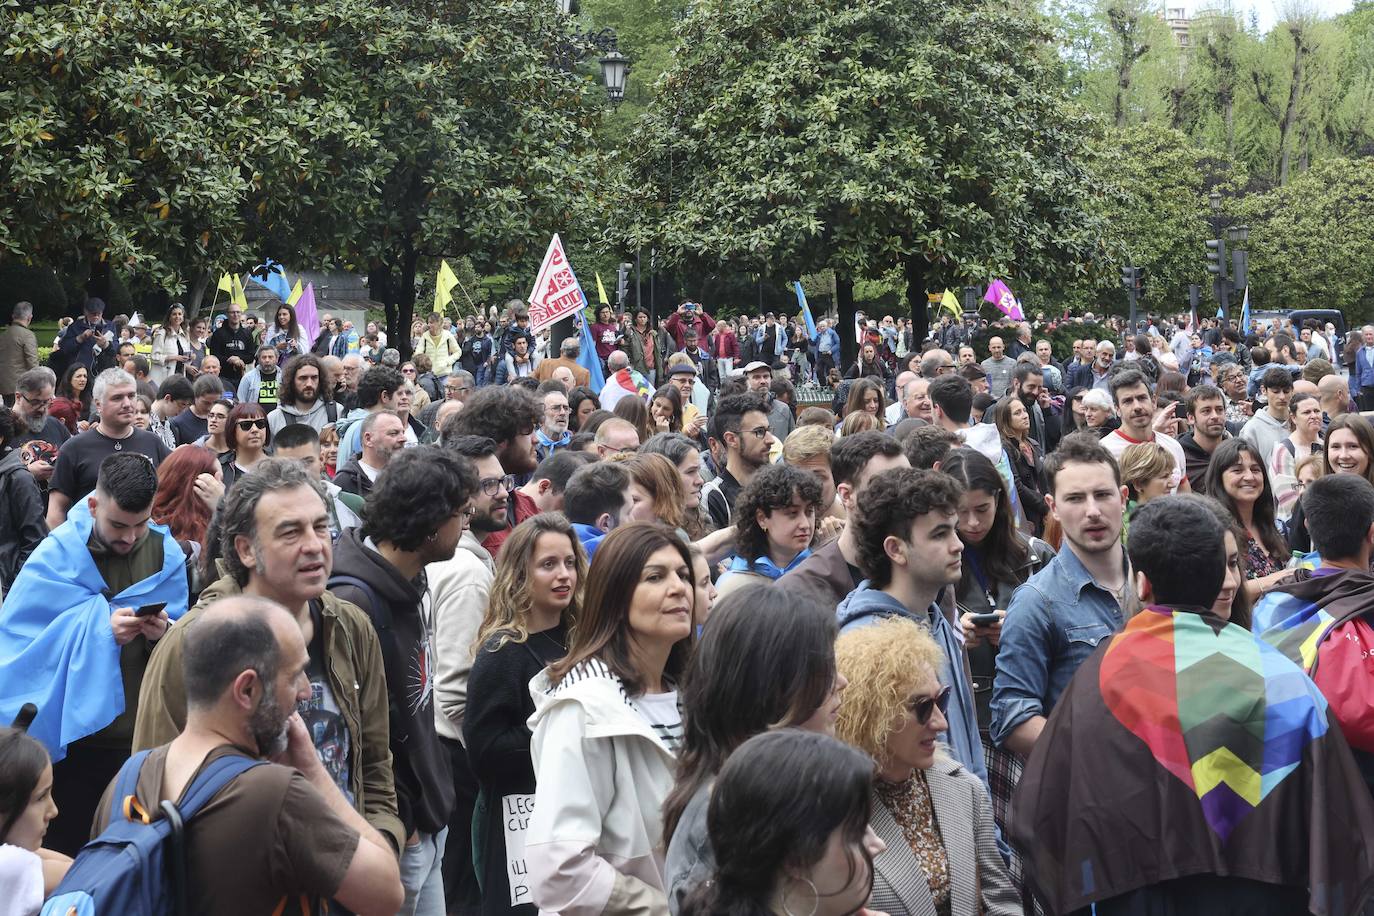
[
  {"x": 568, "y": 352},
  {"x": 78, "y": 461},
  {"x": 1101, "y": 369}
]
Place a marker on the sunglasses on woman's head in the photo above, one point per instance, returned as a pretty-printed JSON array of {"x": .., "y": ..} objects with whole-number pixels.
[
  {"x": 923, "y": 708},
  {"x": 260, "y": 423}
]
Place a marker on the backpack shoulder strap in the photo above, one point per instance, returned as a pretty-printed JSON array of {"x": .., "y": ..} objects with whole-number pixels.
[
  {"x": 331, "y": 411},
  {"x": 126, "y": 784},
  {"x": 220, "y": 772},
  {"x": 379, "y": 611}
]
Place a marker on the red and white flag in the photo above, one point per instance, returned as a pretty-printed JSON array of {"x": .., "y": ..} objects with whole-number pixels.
[{"x": 556, "y": 292}]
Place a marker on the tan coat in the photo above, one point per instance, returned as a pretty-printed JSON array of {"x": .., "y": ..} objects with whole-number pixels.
[{"x": 19, "y": 354}]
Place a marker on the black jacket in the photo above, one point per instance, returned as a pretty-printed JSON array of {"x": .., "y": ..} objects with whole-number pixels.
[
  {"x": 400, "y": 612},
  {"x": 22, "y": 525},
  {"x": 351, "y": 479}
]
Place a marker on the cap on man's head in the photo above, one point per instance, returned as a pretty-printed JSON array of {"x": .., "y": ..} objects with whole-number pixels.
[
  {"x": 756, "y": 364},
  {"x": 686, "y": 369}
]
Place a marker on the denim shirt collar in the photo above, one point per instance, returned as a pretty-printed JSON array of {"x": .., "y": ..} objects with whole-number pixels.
[{"x": 1075, "y": 575}]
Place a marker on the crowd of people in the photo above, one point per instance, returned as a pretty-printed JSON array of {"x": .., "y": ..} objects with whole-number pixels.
[{"x": 1038, "y": 633}]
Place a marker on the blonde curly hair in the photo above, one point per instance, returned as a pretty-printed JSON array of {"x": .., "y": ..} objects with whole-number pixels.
[{"x": 884, "y": 663}]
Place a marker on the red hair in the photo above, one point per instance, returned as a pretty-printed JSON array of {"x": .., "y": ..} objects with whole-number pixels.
[{"x": 176, "y": 504}]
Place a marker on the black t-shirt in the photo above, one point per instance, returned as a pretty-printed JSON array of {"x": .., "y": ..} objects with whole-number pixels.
[
  {"x": 187, "y": 427},
  {"x": 227, "y": 342},
  {"x": 78, "y": 461},
  {"x": 50, "y": 438},
  {"x": 324, "y": 721}
]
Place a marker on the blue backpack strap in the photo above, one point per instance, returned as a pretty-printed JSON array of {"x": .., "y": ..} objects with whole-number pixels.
[
  {"x": 379, "y": 612},
  {"x": 214, "y": 777},
  {"x": 126, "y": 784}
]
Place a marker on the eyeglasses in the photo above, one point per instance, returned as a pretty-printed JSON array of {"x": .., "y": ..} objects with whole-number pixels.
[
  {"x": 36, "y": 402},
  {"x": 760, "y": 432},
  {"x": 923, "y": 708},
  {"x": 493, "y": 485},
  {"x": 407, "y": 371},
  {"x": 245, "y": 425},
  {"x": 455, "y": 389}
]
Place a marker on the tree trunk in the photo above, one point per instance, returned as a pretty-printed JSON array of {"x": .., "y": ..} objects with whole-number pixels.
[
  {"x": 1124, "y": 22},
  {"x": 844, "y": 320},
  {"x": 195, "y": 294},
  {"x": 1228, "y": 113},
  {"x": 400, "y": 316},
  {"x": 916, "y": 270},
  {"x": 1290, "y": 114}
]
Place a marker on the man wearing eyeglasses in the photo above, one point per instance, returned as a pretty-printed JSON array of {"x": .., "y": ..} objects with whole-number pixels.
[
  {"x": 34, "y": 392},
  {"x": 741, "y": 427},
  {"x": 553, "y": 431}
]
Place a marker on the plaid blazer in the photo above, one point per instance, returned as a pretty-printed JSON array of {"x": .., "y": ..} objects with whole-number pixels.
[{"x": 978, "y": 880}]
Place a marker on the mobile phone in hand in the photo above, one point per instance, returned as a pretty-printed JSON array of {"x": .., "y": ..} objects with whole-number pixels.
[
  {"x": 150, "y": 610},
  {"x": 984, "y": 620}
]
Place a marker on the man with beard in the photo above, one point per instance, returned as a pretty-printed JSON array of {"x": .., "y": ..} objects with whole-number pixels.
[
  {"x": 1207, "y": 413},
  {"x": 300, "y": 398},
  {"x": 79, "y": 459},
  {"x": 459, "y": 589},
  {"x": 507, "y": 415},
  {"x": 553, "y": 430},
  {"x": 231, "y": 343},
  {"x": 276, "y": 832},
  {"x": 259, "y": 384},
  {"x": 89, "y": 602},
  {"x": 274, "y": 526},
  {"x": 1063, "y": 611},
  {"x": 759, "y": 377},
  {"x": 1029, "y": 382},
  {"x": 416, "y": 515},
  {"x": 741, "y": 427},
  {"x": 34, "y": 392},
  {"x": 383, "y": 435},
  {"x": 1141, "y": 422}
]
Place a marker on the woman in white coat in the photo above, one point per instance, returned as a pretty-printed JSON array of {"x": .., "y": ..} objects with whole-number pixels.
[
  {"x": 171, "y": 346},
  {"x": 606, "y": 729}
]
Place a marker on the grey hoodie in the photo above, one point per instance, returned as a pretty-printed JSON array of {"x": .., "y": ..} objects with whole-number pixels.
[
  {"x": 317, "y": 416},
  {"x": 866, "y": 605}
]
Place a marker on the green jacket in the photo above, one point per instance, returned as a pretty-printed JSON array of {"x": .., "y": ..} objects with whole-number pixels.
[
  {"x": 634, "y": 349},
  {"x": 354, "y": 665}
]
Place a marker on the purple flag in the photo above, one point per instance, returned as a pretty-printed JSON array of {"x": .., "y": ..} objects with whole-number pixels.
[
  {"x": 1001, "y": 296},
  {"x": 306, "y": 316}
]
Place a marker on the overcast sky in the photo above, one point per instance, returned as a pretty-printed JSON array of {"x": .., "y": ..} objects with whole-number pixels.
[{"x": 1267, "y": 10}]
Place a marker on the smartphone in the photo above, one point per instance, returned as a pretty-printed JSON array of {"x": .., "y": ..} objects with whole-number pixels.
[
  {"x": 984, "y": 620},
  {"x": 150, "y": 610},
  {"x": 1180, "y": 410}
]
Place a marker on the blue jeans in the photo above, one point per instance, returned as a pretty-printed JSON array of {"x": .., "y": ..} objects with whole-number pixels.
[{"x": 422, "y": 876}]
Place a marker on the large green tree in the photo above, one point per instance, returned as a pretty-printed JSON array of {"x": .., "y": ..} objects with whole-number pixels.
[{"x": 927, "y": 137}]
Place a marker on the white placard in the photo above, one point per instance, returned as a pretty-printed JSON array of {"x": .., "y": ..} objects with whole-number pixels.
[{"x": 515, "y": 818}]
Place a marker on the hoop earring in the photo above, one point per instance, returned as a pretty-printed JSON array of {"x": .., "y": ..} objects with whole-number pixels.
[{"x": 815, "y": 900}]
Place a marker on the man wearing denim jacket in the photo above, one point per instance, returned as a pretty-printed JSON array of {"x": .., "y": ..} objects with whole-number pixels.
[{"x": 1056, "y": 620}]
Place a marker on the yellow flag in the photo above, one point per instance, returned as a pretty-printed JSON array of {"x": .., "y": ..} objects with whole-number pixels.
[
  {"x": 951, "y": 302},
  {"x": 296, "y": 292},
  {"x": 226, "y": 283},
  {"x": 240, "y": 298},
  {"x": 601, "y": 291},
  {"x": 443, "y": 287}
]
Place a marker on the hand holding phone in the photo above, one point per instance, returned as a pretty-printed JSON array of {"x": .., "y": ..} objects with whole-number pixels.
[{"x": 150, "y": 610}]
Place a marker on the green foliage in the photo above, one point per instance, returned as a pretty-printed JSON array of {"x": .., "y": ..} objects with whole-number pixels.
[
  {"x": 869, "y": 138},
  {"x": 1312, "y": 241},
  {"x": 39, "y": 285}
]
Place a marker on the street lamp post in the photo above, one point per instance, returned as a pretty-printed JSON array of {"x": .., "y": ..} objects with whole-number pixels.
[{"x": 1228, "y": 273}]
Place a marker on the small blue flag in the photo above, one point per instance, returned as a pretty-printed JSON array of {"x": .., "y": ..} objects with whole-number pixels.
[
  {"x": 272, "y": 275},
  {"x": 586, "y": 356},
  {"x": 805, "y": 310},
  {"x": 1245, "y": 312}
]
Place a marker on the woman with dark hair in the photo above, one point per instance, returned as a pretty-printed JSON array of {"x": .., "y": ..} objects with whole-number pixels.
[
  {"x": 592, "y": 841},
  {"x": 686, "y": 458},
  {"x": 997, "y": 560},
  {"x": 285, "y": 335},
  {"x": 22, "y": 522},
  {"x": 1077, "y": 420},
  {"x": 1349, "y": 450},
  {"x": 1236, "y": 478},
  {"x": 633, "y": 410},
  {"x": 605, "y": 333},
  {"x": 868, "y": 365},
  {"x": 581, "y": 402},
  {"x": 1027, "y": 459},
  {"x": 867, "y": 396},
  {"x": 248, "y": 436},
  {"x": 666, "y": 409},
  {"x": 75, "y": 389},
  {"x": 533, "y": 605},
  {"x": 1305, "y": 421},
  {"x": 775, "y": 520},
  {"x": 171, "y": 346},
  {"x": 767, "y": 660},
  {"x": 216, "y": 437},
  {"x": 1171, "y": 382},
  {"x": 28, "y": 872},
  {"x": 780, "y": 850}
]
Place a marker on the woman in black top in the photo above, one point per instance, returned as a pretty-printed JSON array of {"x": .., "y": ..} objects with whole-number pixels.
[{"x": 534, "y": 602}]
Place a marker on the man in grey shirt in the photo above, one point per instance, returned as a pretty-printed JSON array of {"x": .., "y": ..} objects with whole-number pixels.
[{"x": 999, "y": 367}]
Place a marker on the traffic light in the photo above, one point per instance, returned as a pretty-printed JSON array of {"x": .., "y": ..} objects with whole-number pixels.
[
  {"x": 1128, "y": 277},
  {"x": 1216, "y": 258},
  {"x": 1240, "y": 262},
  {"x": 1140, "y": 282},
  {"x": 622, "y": 283}
]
